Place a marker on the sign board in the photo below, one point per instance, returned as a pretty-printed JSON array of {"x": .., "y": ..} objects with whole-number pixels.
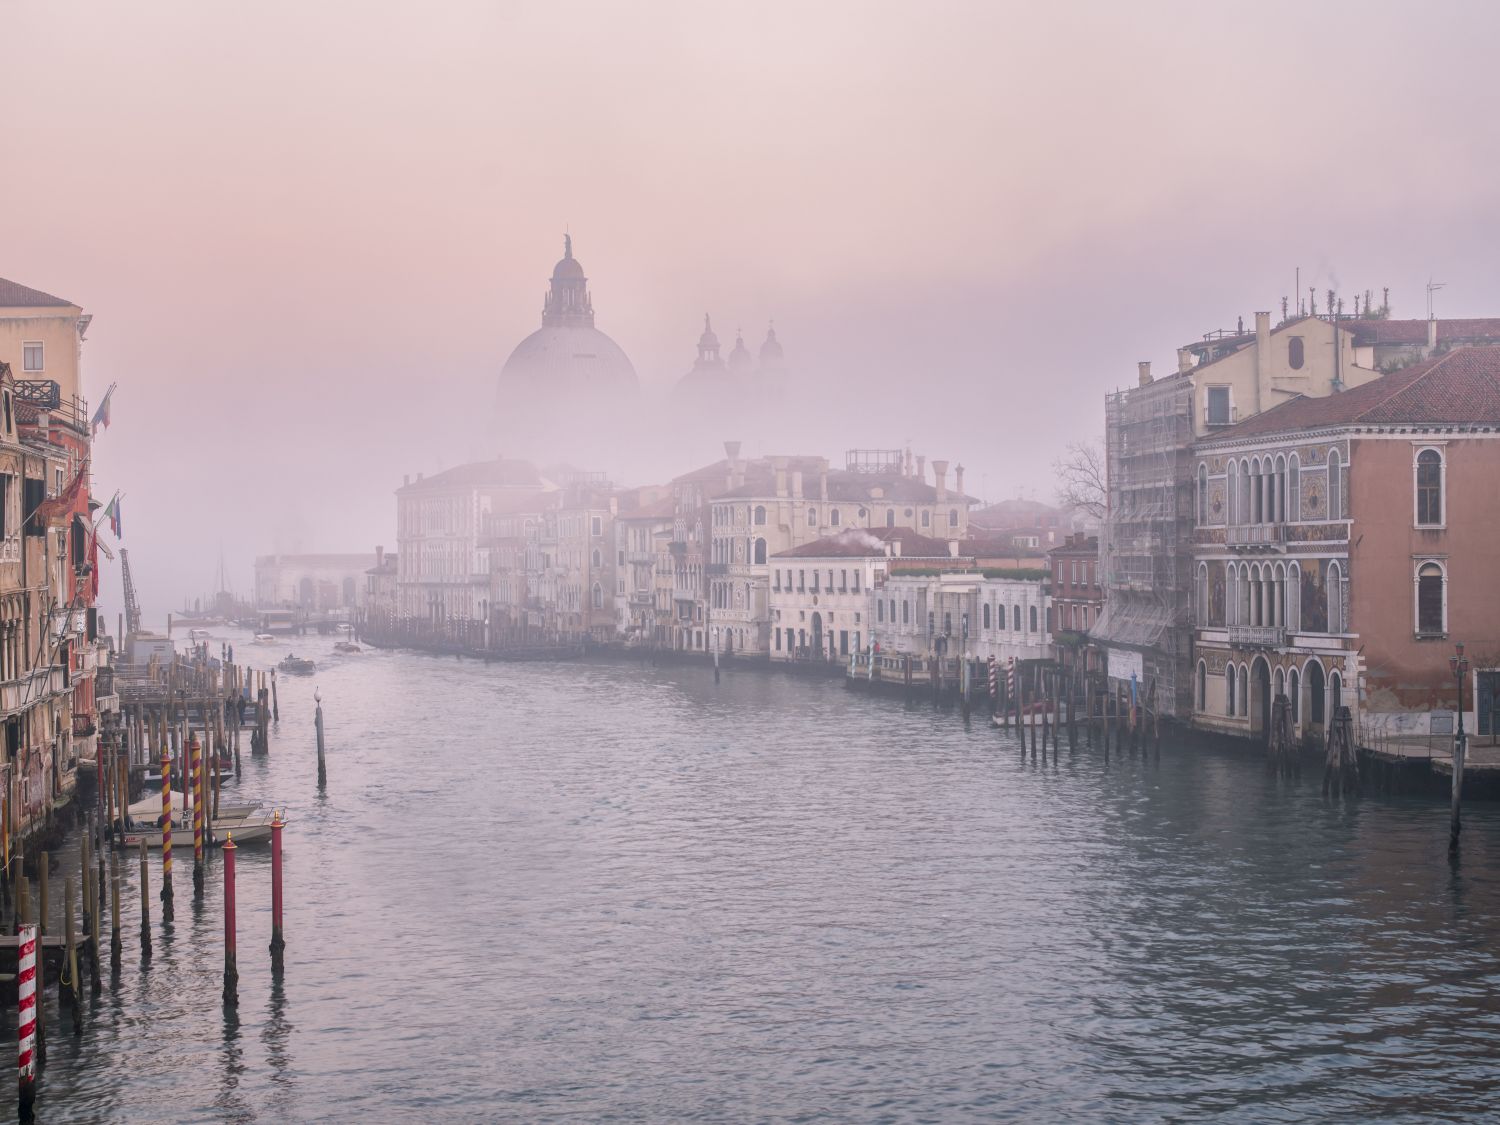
[
  {"x": 1124, "y": 663},
  {"x": 1442, "y": 722}
]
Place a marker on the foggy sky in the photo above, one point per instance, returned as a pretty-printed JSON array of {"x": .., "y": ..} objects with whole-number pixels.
[{"x": 310, "y": 234}]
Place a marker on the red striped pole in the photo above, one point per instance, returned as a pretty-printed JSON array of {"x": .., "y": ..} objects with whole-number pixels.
[
  {"x": 26, "y": 1020},
  {"x": 231, "y": 969},
  {"x": 195, "y": 770},
  {"x": 166, "y": 836},
  {"x": 278, "y": 943}
]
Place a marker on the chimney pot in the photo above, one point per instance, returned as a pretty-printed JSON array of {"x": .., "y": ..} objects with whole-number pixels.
[
  {"x": 1143, "y": 369},
  {"x": 1184, "y": 360},
  {"x": 940, "y": 479},
  {"x": 921, "y": 466},
  {"x": 1432, "y": 334},
  {"x": 958, "y": 480}
]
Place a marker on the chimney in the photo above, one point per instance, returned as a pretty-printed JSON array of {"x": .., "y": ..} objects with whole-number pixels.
[
  {"x": 1184, "y": 360},
  {"x": 779, "y": 464},
  {"x": 1431, "y": 334},
  {"x": 952, "y": 550},
  {"x": 1263, "y": 360},
  {"x": 379, "y": 561},
  {"x": 940, "y": 479},
  {"x": 405, "y": 479},
  {"x": 921, "y": 466},
  {"x": 1143, "y": 369},
  {"x": 732, "y": 451},
  {"x": 909, "y": 462},
  {"x": 796, "y": 484},
  {"x": 958, "y": 480},
  {"x": 823, "y": 483}
]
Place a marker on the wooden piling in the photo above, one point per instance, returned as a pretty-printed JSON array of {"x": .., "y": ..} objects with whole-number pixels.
[
  {"x": 115, "y": 945},
  {"x": 67, "y": 983},
  {"x": 318, "y": 724},
  {"x": 1455, "y": 822},
  {"x": 28, "y": 956},
  {"x": 43, "y": 862},
  {"x": 145, "y": 906},
  {"x": 166, "y": 842},
  {"x": 276, "y": 707}
]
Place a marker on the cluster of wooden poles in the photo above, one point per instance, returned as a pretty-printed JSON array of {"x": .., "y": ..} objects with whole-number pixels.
[
  {"x": 1045, "y": 700},
  {"x": 78, "y": 951}
]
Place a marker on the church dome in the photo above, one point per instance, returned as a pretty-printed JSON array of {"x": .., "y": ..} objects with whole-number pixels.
[
  {"x": 567, "y": 355},
  {"x": 741, "y": 362},
  {"x": 770, "y": 351}
]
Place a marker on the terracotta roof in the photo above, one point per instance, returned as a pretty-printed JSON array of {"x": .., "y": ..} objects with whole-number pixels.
[
  {"x": 480, "y": 474},
  {"x": 1461, "y": 388},
  {"x": 14, "y": 295},
  {"x": 1395, "y": 332},
  {"x": 862, "y": 543}
]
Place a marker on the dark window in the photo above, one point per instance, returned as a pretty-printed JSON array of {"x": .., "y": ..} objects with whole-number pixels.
[
  {"x": 947, "y": 628},
  {"x": 34, "y": 492},
  {"x": 5, "y": 480},
  {"x": 1487, "y": 702},
  {"x": 1430, "y": 599},
  {"x": 1218, "y": 406},
  {"x": 890, "y": 517},
  {"x": 1017, "y": 618},
  {"x": 1429, "y": 487},
  {"x": 1294, "y": 353},
  {"x": 1033, "y": 625},
  {"x": 986, "y": 624}
]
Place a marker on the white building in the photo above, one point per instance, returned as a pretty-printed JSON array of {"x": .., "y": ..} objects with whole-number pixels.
[{"x": 963, "y": 612}]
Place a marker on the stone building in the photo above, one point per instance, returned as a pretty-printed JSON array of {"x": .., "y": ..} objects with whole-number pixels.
[
  {"x": 824, "y": 595},
  {"x": 960, "y": 611},
  {"x": 1077, "y": 597},
  {"x": 316, "y": 583},
  {"x": 444, "y": 571},
  {"x": 773, "y": 504},
  {"x": 1340, "y": 550}
]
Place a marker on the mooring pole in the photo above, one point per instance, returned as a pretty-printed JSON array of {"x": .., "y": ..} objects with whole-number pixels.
[
  {"x": 166, "y": 837},
  {"x": 278, "y": 942},
  {"x": 318, "y": 723},
  {"x": 195, "y": 787},
  {"x": 231, "y": 970},
  {"x": 145, "y": 906},
  {"x": 26, "y": 1009},
  {"x": 115, "y": 945}
]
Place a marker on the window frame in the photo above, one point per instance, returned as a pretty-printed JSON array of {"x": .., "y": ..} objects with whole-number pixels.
[
  {"x": 41, "y": 348},
  {"x": 1418, "y": 452},
  {"x": 1419, "y": 564}
]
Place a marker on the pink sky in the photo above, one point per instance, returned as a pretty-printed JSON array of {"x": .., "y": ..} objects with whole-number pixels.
[{"x": 311, "y": 233}]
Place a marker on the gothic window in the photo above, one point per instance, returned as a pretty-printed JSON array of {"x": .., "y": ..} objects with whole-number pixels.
[
  {"x": 760, "y": 550},
  {"x": 1202, "y": 685},
  {"x": 1335, "y": 598},
  {"x": 1294, "y": 693},
  {"x": 986, "y": 619},
  {"x": 1033, "y": 620},
  {"x": 1232, "y": 492},
  {"x": 1432, "y": 607},
  {"x": 1429, "y": 488},
  {"x": 1202, "y": 495},
  {"x": 1335, "y": 486},
  {"x": 1294, "y": 488},
  {"x": 760, "y": 515},
  {"x": 834, "y": 517},
  {"x": 1229, "y": 682},
  {"x": 598, "y": 604},
  {"x": 1244, "y": 694}
]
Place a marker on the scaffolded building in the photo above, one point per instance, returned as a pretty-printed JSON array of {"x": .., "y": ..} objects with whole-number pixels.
[{"x": 1144, "y": 554}]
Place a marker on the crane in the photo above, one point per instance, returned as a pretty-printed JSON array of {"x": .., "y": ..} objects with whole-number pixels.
[{"x": 132, "y": 606}]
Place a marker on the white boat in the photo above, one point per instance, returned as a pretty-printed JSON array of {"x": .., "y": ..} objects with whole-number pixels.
[
  {"x": 198, "y": 634},
  {"x": 265, "y": 639},
  {"x": 247, "y": 823}
]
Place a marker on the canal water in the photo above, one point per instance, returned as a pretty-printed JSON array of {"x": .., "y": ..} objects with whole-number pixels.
[{"x": 604, "y": 892}]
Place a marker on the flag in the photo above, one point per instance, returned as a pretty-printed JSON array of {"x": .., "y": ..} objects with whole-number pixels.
[
  {"x": 113, "y": 513},
  {"x": 101, "y": 416},
  {"x": 72, "y": 500}
]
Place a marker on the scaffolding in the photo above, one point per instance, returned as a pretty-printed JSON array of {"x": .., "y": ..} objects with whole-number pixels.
[{"x": 1145, "y": 545}]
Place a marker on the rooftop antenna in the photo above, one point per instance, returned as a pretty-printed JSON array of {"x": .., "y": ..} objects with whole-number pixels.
[{"x": 1432, "y": 287}]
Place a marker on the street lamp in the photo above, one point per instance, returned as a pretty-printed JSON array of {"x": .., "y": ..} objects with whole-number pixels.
[{"x": 1459, "y": 664}]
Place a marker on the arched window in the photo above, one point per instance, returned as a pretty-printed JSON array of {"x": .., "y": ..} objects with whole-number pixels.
[
  {"x": 1229, "y": 681},
  {"x": 952, "y": 517},
  {"x": 1432, "y": 608},
  {"x": 1335, "y": 486},
  {"x": 1016, "y": 618},
  {"x": 1280, "y": 688},
  {"x": 1335, "y": 598},
  {"x": 1232, "y": 596},
  {"x": 1335, "y": 694},
  {"x": 597, "y": 558},
  {"x": 812, "y": 516},
  {"x": 1294, "y": 599},
  {"x": 1294, "y": 488},
  {"x": 986, "y": 616},
  {"x": 1429, "y": 488},
  {"x": 760, "y": 550},
  {"x": 905, "y": 620},
  {"x": 1202, "y": 495},
  {"x": 598, "y": 604},
  {"x": 1202, "y": 685},
  {"x": 1232, "y": 492},
  {"x": 890, "y": 517},
  {"x": 926, "y": 518},
  {"x": 1246, "y": 512},
  {"x": 1255, "y": 510},
  {"x": 1278, "y": 602},
  {"x": 834, "y": 517},
  {"x": 1244, "y": 698},
  {"x": 1294, "y": 354},
  {"x": 760, "y": 515},
  {"x": 1203, "y": 593},
  {"x": 1294, "y": 692},
  {"x": 1279, "y": 490},
  {"x": 1030, "y": 630}
]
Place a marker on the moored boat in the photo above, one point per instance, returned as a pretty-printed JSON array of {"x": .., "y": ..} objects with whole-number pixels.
[
  {"x": 248, "y": 822},
  {"x": 294, "y": 665}
]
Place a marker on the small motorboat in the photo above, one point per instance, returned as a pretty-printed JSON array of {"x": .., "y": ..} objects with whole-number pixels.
[
  {"x": 265, "y": 639},
  {"x": 347, "y": 646},
  {"x": 197, "y": 634},
  {"x": 294, "y": 665},
  {"x": 248, "y": 823}
]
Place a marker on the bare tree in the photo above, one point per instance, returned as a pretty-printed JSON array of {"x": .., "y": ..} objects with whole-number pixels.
[{"x": 1082, "y": 483}]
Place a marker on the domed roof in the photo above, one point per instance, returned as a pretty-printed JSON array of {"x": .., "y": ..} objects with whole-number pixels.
[
  {"x": 568, "y": 267},
  {"x": 570, "y": 358},
  {"x": 770, "y": 351},
  {"x": 740, "y": 359},
  {"x": 708, "y": 339}
]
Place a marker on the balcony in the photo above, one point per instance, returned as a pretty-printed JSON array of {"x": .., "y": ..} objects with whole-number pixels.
[
  {"x": 716, "y": 569},
  {"x": 1257, "y": 636},
  {"x": 29, "y": 690},
  {"x": 83, "y": 726},
  {"x": 1255, "y": 535}
]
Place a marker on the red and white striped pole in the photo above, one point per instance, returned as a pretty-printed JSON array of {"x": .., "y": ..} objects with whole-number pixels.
[
  {"x": 166, "y": 836},
  {"x": 26, "y": 1020},
  {"x": 231, "y": 969},
  {"x": 278, "y": 942}
]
